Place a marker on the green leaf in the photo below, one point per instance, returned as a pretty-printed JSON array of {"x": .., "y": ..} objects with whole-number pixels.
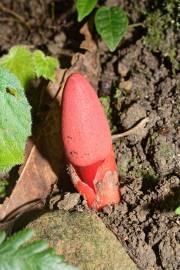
[
  {"x": 111, "y": 23},
  {"x": 45, "y": 66},
  {"x": 84, "y": 7},
  {"x": 27, "y": 65},
  {"x": 19, "y": 62},
  {"x": 16, "y": 254},
  {"x": 177, "y": 211},
  {"x": 2, "y": 236},
  {"x": 15, "y": 120}
]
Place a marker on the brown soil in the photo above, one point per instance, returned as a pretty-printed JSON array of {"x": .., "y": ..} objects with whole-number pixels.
[{"x": 149, "y": 165}]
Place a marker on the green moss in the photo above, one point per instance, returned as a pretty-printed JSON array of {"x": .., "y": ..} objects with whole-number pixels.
[
  {"x": 151, "y": 140},
  {"x": 177, "y": 211},
  {"x": 166, "y": 151},
  {"x": 122, "y": 169},
  {"x": 106, "y": 103},
  {"x": 148, "y": 175},
  {"x": 144, "y": 172},
  {"x": 3, "y": 186},
  {"x": 123, "y": 165},
  {"x": 155, "y": 26},
  {"x": 162, "y": 30},
  {"x": 117, "y": 98}
]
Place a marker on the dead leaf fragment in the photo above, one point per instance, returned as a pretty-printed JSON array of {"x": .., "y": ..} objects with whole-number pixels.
[
  {"x": 34, "y": 185},
  {"x": 89, "y": 66},
  {"x": 87, "y": 44}
]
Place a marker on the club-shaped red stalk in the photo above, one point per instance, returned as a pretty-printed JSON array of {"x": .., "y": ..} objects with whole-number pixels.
[{"x": 88, "y": 144}]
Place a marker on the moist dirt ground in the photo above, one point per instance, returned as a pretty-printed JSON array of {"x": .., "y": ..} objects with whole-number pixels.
[{"x": 140, "y": 79}]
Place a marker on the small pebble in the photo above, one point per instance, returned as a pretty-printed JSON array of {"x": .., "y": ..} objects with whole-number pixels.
[
  {"x": 122, "y": 69},
  {"x": 126, "y": 85}
]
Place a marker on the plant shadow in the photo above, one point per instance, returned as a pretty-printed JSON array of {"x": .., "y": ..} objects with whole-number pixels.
[{"x": 167, "y": 203}]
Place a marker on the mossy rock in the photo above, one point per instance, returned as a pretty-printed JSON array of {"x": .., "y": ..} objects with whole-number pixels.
[{"x": 83, "y": 239}]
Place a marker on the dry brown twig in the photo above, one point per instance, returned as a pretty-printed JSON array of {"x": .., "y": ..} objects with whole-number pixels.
[
  {"x": 15, "y": 15},
  {"x": 132, "y": 131}
]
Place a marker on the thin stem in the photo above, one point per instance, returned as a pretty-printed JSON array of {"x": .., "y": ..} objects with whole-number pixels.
[
  {"x": 132, "y": 131},
  {"x": 136, "y": 25}
]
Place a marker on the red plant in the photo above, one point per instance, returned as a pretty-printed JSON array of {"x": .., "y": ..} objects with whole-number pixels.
[{"x": 88, "y": 144}]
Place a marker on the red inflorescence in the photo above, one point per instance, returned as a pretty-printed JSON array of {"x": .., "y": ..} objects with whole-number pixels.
[{"x": 88, "y": 144}]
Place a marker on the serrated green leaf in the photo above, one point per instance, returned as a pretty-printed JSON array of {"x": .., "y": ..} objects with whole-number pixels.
[
  {"x": 19, "y": 62},
  {"x": 16, "y": 254},
  {"x": 111, "y": 23},
  {"x": 15, "y": 120},
  {"x": 45, "y": 66},
  {"x": 177, "y": 211},
  {"x": 12, "y": 244},
  {"x": 84, "y": 8},
  {"x": 27, "y": 65},
  {"x": 33, "y": 248}
]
